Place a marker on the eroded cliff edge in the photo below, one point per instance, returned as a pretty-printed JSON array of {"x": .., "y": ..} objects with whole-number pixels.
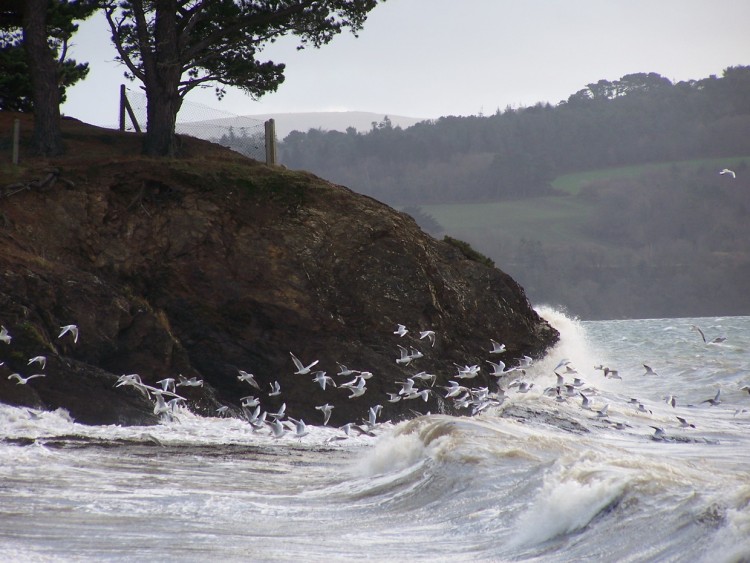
[{"x": 213, "y": 263}]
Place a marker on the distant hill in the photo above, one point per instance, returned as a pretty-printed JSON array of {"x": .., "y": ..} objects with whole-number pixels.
[
  {"x": 332, "y": 121},
  {"x": 287, "y": 122}
]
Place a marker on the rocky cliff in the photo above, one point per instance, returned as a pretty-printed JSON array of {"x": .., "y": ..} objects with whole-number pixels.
[{"x": 212, "y": 263}]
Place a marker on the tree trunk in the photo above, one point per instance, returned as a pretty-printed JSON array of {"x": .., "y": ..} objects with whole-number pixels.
[
  {"x": 163, "y": 72},
  {"x": 44, "y": 79}
]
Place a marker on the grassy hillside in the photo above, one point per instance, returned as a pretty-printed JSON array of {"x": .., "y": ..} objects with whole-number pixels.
[{"x": 555, "y": 219}]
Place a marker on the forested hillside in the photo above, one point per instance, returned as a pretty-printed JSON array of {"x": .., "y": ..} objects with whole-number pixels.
[
  {"x": 669, "y": 240},
  {"x": 518, "y": 152}
]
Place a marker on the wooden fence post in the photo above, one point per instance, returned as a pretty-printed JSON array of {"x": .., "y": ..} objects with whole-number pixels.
[
  {"x": 16, "y": 139},
  {"x": 270, "y": 142},
  {"x": 125, "y": 106}
]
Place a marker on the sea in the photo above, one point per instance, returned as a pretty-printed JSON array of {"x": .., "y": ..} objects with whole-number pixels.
[{"x": 535, "y": 478}]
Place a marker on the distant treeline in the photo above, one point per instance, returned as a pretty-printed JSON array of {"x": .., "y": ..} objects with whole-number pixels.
[{"x": 515, "y": 153}]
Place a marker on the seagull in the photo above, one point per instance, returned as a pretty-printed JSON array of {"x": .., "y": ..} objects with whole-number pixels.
[
  {"x": 72, "y": 329},
  {"x": 277, "y": 429},
  {"x": 373, "y": 415},
  {"x": 424, "y": 376},
  {"x": 222, "y": 410},
  {"x": 429, "y": 334},
  {"x": 561, "y": 363},
  {"x": 415, "y": 394},
  {"x": 728, "y": 172},
  {"x": 167, "y": 383},
  {"x": 467, "y": 372},
  {"x": 301, "y": 368},
  {"x": 671, "y": 400},
  {"x": 326, "y": 410},
  {"x": 24, "y": 380},
  {"x": 249, "y": 402},
  {"x": 321, "y": 379},
  {"x": 393, "y": 397},
  {"x": 659, "y": 433},
  {"x": 4, "y": 335},
  {"x": 192, "y": 382},
  {"x": 278, "y": 415},
  {"x": 405, "y": 358},
  {"x": 275, "y": 389},
  {"x": 300, "y": 428},
  {"x": 345, "y": 370},
  {"x": 497, "y": 348},
  {"x": 602, "y": 412},
  {"x": 249, "y": 377},
  {"x": 407, "y": 386},
  {"x": 401, "y": 330},
  {"x": 585, "y": 402},
  {"x": 649, "y": 371},
  {"x": 358, "y": 390},
  {"x": 454, "y": 390},
  {"x": 498, "y": 369},
  {"x": 684, "y": 423},
  {"x": 715, "y": 401},
  {"x": 717, "y": 340},
  {"x": 612, "y": 373},
  {"x": 41, "y": 360}
]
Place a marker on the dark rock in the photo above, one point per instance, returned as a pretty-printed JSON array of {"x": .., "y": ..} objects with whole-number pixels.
[{"x": 204, "y": 266}]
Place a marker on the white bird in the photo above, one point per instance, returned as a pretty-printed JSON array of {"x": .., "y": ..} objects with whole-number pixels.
[
  {"x": 612, "y": 373},
  {"x": 429, "y": 334},
  {"x": 405, "y": 358},
  {"x": 374, "y": 411},
  {"x": 277, "y": 429},
  {"x": 275, "y": 389},
  {"x": 585, "y": 402},
  {"x": 524, "y": 387},
  {"x": 326, "y": 410},
  {"x": 497, "y": 348},
  {"x": 393, "y": 397},
  {"x": 401, "y": 330},
  {"x": 717, "y": 340},
  {"x": 561, "y": 363},
  {"x": 192, "y": 382},
  {"x": 649, "y": 371},
  {"x": 684, "y": 423},
  {"x": 416, "y": 394},
  {"x": 167, "y": 384},
  {"x": 602, "y": 412},
  {"x": 715, "y": 401},
  {"x": 24, "y": 380},
  {"x": 406, "y": 386},
  {"x": 424, "y": 376},
  {"x": 322, "y": 379},
  {"x": 250, "y": 402},
  {"x": 300, "y": 428},
  {"x": 454, "y": 390},
  {"x": 358, "y": 390},
  {"x": 671, "y": 400},
  {"x": 72, "y": 329},
  {"x": 280, "y": 413},
  {"x": 5, "y": 335},
  {"x": 467, "y": 372},
  {"x": 659, "y": 433},
  {"x": 249, "y": 377},
  {"x": 222, "y": 410},
  {"x": 41, "y": 360},
  {"x": 343, "y": 370},
  {"x": 728, "y": 172},
  {"x": 302, "y": 369},
  {"x": 498, "y": 369}
]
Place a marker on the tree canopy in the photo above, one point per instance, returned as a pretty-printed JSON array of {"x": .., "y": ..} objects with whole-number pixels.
[
  {"x": 34, "y": 66},
  {"x": 175, "y": 46}
]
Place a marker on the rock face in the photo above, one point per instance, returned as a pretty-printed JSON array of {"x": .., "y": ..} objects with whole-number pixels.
[{"x": 213, "y": 263}]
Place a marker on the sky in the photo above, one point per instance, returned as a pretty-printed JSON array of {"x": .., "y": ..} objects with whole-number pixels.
[{"x": 433, "y": 58}]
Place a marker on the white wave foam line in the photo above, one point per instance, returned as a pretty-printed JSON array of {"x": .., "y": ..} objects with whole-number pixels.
[
  {"x": 566, "y": 504},
  {"x": 573, "y": 344}
]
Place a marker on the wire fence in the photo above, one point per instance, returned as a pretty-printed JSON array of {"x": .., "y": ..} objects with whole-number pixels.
[{"x": 239, "y": 133}]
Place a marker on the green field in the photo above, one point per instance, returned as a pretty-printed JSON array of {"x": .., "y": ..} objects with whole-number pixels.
[{"x": 553, "y": 219}]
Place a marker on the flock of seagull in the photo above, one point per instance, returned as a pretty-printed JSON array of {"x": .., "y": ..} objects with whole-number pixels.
[{"x": 421, "y": 385}]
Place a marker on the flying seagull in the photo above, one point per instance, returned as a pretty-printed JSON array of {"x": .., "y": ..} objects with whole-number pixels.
[
  {"x": 301, "y": 368},
  {"x": 41, "y": 360},
  {"x": 24, "y": 380},
  {"x": 728, "y": 172},
  {"x": 429, "y": 334},
  {"x": 401, "y": 330},
  {"x": 4, "y": 335},
  {"x": 72, "y": 329}
]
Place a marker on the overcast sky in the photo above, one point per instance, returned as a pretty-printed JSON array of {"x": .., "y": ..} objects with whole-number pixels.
[{"x": 432, "y": 58}]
